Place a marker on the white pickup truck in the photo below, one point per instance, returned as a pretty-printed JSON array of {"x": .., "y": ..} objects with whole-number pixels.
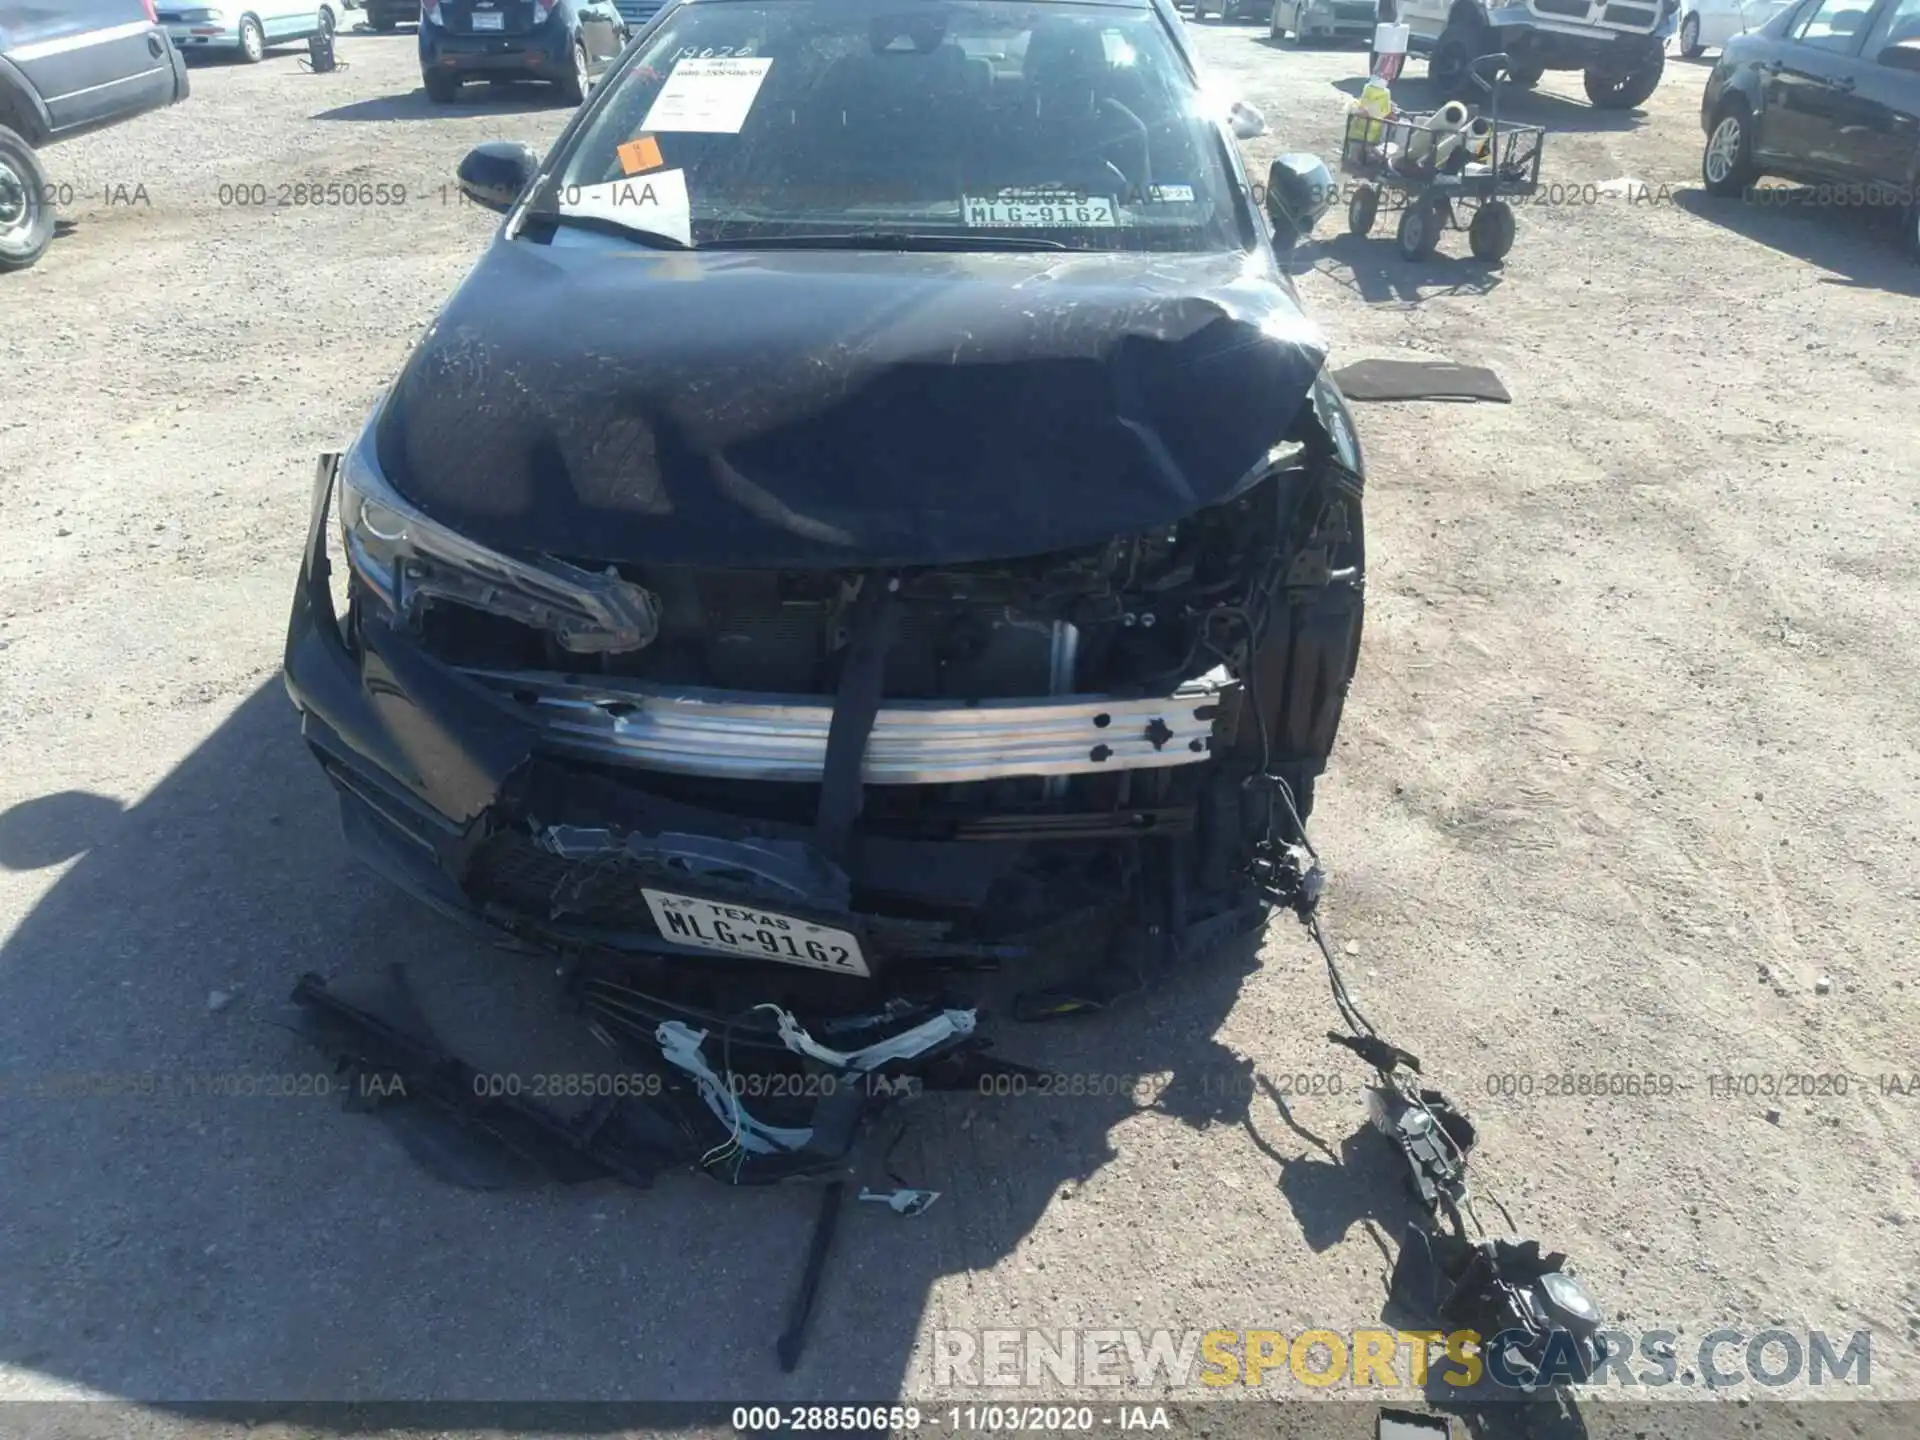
[{"x": 1618, "y": 45}]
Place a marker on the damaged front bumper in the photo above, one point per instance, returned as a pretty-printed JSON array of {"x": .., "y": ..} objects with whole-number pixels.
[
  {"x": 539, "y": 804},
  {"x": 760, "y": 842},
  {"x": 728, "y": 735}
]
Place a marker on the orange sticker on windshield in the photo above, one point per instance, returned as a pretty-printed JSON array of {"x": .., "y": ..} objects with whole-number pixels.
[{"x": 638, "y": 156}]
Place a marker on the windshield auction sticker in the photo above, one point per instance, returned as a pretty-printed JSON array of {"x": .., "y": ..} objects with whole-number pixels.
[
  {"x": 656, "y": 203},
  {"x": 708, "y": 96},
  {"x": 640, "y": 154},
  {"x": 1037, "y": 210}
]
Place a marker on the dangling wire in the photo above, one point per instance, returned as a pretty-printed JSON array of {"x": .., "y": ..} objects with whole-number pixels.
[
  {"x": 1349, "y": 1011},
  {"x": 1360, "y": 1025}
]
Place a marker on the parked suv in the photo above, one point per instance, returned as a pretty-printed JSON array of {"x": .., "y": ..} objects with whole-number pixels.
[
  {"x": 565, "y": 41},
  {"x": 1620, "y": 45},
  {"x": 67, "y": 67}
]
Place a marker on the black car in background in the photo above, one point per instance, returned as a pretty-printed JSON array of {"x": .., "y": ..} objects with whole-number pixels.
[
  {"x": 1827, "y": 93},
  {"x": 68, "y": 67},
  {"x": 565, "y": 42},
  {"x": 386, "y": 15}
]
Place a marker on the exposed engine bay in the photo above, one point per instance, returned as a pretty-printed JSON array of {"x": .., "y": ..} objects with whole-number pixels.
[
  {"x": 1135, "y": 614},
  {"x": 975, "y": 767}
]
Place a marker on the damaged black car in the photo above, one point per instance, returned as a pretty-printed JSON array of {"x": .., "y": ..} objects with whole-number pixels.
[{"x": 875, "y": 526}]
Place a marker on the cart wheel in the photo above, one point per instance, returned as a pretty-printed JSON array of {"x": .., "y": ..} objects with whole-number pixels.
[
  {"x": 1361, "y": 209},
  {"x": 1420, "y": 225},
  {"x": 1490, "y": 236}
]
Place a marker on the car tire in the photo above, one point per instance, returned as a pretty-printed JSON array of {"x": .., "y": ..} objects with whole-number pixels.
[
  {"x": 1624, "y": 92},
  {"x": 1727, "y": 166},
  {"x": 26, "y": 217},
  {"x": 328, "y": 25},
  {"x": 1274, "y": 32},
  {"x": 1449, "y": 66},
  {"x": 1420, "y": 225},
  {"x": 574, "y": 88},
  {"x": 1490, "y": 234},
  {"x": 442, "y": 88},
  {"x": 1525, "y": 77},
  {"x": 1690, "y": 46},
  {"x": 253, "y": 40},
  {"x": 1361, "y": 210}
]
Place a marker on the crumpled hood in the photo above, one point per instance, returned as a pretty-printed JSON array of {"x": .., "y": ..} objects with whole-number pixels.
[{"x": 801, "y": 409}]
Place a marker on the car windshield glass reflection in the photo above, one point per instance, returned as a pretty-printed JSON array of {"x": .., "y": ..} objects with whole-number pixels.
[{"x": 949, "y": 124}]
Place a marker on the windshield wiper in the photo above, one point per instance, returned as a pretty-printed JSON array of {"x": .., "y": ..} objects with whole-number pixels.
[
  {"x": 881, "y": 240},
  {"x": 607, "y": 225}
]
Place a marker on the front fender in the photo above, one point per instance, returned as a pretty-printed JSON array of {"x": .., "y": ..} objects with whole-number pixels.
[
  {"x": 21, "y": 109},
  {"x": 1731, "y": 79}
]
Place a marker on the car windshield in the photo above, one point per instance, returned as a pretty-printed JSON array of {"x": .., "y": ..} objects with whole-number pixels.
[{"x": 970, "y": 124}]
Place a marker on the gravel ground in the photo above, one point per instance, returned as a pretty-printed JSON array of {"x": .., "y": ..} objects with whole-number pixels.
[{"x": 1630, "y": 782}]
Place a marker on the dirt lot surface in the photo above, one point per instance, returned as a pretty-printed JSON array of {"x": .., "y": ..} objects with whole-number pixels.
[{"x": 1629, "y": 784}]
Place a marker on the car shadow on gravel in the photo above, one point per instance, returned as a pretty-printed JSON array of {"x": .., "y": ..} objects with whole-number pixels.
[
  {"x": 1364, "y": 1183},
  {"x": 519, "y": 98},
  {"x": 1862, "y": 248},
  {"x": 232, "y": 60},
  {"x": 193, "y": 1217},
  {"x": 1375, "y": 270},
  {"x": 1523, "y": 107}
]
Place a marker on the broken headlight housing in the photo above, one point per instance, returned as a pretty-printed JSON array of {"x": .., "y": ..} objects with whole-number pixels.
[
  {"x": 406, "y": 559},
  {"x": 1331, "y": 409}
]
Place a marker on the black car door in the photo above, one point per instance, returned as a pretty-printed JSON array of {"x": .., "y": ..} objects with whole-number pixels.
[
  {"x": 1889, "y": 96},
  {"x": 1810, "y": 121}
]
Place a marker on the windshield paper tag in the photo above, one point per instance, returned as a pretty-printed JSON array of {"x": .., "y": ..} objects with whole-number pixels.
[
  {"x": 708, "y": 96},
  {"x": 1170, "y": 194},
  {"x": 640, "y": 155},
  {"x": 656, "y": 203},
  {"x": 1037, "y": 210}
]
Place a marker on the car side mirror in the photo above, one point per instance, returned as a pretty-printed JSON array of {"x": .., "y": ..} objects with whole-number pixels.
[
  {"x": 1247, "y": 121},
  {"x": 1901, "y": 55},
  {"x": 1299, "y": 191},
  {"x": 495, "y": 173}
]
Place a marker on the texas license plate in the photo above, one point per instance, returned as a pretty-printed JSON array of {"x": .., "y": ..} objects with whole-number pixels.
[
  {"x": 754, "y": 933},
  {"x": 489, "y": 20},
  {"x": 1037, "y": 210}
]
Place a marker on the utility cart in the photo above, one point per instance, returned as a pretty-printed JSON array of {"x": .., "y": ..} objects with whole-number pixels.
[{"x": 1466, "y": 189}]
